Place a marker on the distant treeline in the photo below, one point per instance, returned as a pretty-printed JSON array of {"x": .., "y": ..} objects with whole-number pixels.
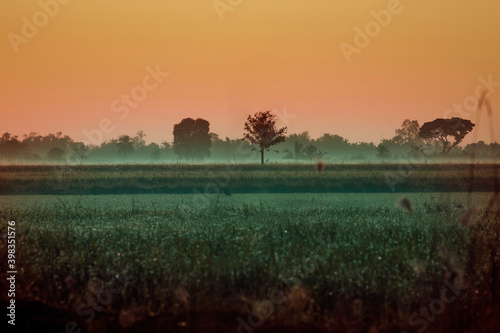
[{"x": 405, "y": 145}]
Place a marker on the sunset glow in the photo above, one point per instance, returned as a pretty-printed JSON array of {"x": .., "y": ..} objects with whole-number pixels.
[{"x": 224, "y": 63}]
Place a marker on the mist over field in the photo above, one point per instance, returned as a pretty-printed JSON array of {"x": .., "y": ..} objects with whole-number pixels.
[
  {"x": 271, "y": 231},
  {"x": 404, "y": 147},
  {"x": 250, "y": 166}
]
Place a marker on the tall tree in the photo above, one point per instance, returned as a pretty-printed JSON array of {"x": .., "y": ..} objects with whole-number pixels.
[
  {"x": 442, "y": 129},
  {"x": 192, "y": 139},
  {"x": 261, "y": 130},
  {"x": 408, "y": 133},
  {"x": 125, "y": 146}
]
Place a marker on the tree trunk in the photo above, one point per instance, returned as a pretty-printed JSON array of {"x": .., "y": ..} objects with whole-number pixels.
[
  {"x": 262, "y": 157},
  {"x": 445, "y": 148}
]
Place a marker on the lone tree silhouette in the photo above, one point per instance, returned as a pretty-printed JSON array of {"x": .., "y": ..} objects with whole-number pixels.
[
  {"x": 261, "y": 129},
  {"x": 192, "y": 139},
  {"x": 442, "y": 129},
  {"x": 125, "y": 146}
]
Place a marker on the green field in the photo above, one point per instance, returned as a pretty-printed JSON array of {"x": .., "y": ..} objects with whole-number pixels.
[
  {"x": 347, "y": 261},
  {"x": 235, "y": 178}
]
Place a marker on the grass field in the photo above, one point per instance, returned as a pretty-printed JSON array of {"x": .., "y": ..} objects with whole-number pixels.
[
  {"x": 344, "y": 261},
  {"x": 277, "y": 178}
]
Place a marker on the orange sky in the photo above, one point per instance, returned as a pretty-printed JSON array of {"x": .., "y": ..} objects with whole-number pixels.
[{"x": 281, "y": 55}]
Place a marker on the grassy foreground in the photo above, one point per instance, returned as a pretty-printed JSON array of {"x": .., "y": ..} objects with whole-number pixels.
[{"x": 345, "y": 266}]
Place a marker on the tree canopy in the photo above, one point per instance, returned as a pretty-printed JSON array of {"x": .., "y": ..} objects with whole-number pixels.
[
  {"x": 192, "y": 139},
  {"x": 11, "y": 147},
  {"x": 261, "y": 129},
  {"x": 442, "y": 129}
]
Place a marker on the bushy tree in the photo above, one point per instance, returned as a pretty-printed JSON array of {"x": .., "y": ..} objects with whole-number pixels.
[
  {"x": 445, "y": 129},
  {"x": 192, "y": 139},
  {"x": 383, "y": 150},
  {"x": 11, "y": 148},
  {"x": 408, "y": 133},
  {"x": 334, "y": 144},
  {"x": 481, "y": 149},
  {"x": 261, "y": 129},
  {"x": 304, "y": 138}
]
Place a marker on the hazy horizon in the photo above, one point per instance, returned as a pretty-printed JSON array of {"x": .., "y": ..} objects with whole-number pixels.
[{"x": 72, "y": 69}]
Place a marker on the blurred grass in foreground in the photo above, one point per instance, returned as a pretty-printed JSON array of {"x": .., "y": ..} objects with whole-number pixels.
[{"x": 229, "y": 254}]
